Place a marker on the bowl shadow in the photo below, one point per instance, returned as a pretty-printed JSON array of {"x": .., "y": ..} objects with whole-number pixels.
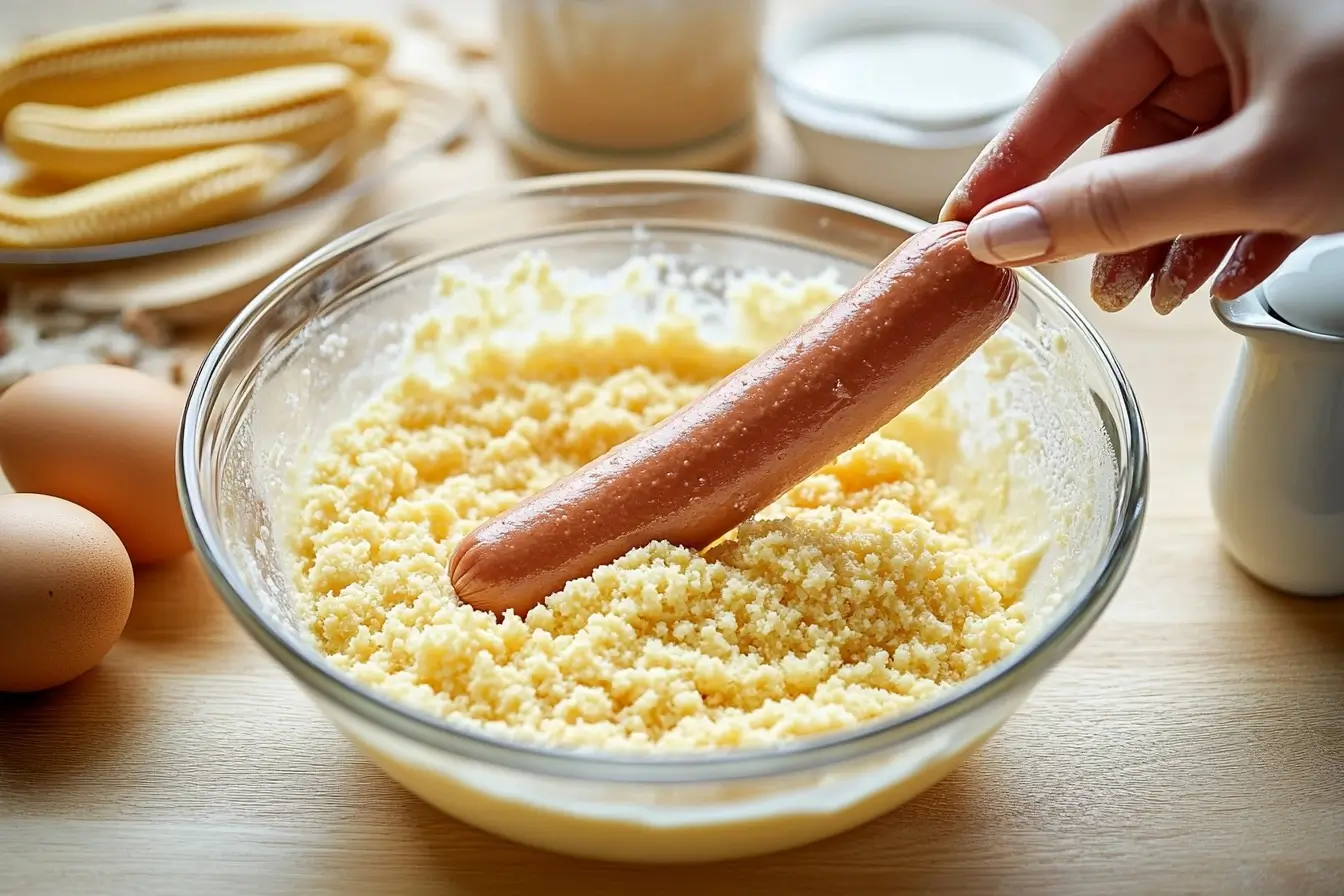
[
  {"x": 54, "y": 739},
  {"x": 1319, "y": 621},
  {"x": 919, "y": 847},
  {"x": 172, "y": 599}
]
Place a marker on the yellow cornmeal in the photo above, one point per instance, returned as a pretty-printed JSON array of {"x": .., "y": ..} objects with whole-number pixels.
[{"x": 862, "y": 592}]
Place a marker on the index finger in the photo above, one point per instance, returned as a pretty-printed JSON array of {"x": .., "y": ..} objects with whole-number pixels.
[{"x": 1106, "y": 73}]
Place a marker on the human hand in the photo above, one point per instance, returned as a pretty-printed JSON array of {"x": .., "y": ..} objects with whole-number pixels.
[{"x": 1227, "y": 132}]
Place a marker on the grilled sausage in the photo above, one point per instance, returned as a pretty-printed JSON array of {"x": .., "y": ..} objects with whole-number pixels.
[{"x": 760, "y": 431}]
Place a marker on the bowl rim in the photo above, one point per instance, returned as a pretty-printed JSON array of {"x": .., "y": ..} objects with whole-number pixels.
[{"x": 329, "y": 685}]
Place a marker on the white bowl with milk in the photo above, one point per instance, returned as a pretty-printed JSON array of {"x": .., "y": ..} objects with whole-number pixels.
[{"x": 892, "y": 101}]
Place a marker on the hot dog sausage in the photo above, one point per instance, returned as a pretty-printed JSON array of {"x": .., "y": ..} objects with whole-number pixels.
[{"x": 763, "y": 429}]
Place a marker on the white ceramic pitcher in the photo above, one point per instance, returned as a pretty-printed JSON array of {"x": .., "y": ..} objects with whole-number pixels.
[{"x": 1277, "y": 480}]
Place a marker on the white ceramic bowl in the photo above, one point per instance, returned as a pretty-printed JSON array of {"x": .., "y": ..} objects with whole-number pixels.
[{"x": 865, "y": 151}]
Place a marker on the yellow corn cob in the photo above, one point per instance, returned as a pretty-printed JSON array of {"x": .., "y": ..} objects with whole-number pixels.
[
  {"x": 107, "y": 63},
  {"x": 176, "y": 196},
  {"x": 381, "y": 104},
  {"x": 306, "y": 106},
  {"x": 33, "y": 184}
]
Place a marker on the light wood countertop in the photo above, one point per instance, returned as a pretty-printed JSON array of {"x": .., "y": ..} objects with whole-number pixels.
[{"x": 1194, "y": 742}]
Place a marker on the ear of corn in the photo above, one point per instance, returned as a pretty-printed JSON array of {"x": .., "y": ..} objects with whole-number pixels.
[
  {"x": 104, "y": 64},
  {"x": 306, "y": 106},
  {"x": 176, "y": 196},
  {"x": 33, "y": 184},
  {"x": 381, "y": 104}
]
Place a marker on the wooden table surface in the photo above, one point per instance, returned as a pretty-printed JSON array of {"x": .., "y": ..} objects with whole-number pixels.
[{"x": 1193, "y": 743}]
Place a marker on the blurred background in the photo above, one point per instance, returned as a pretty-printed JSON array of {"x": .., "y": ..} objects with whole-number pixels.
[
  {"x": 885, "y": 100},
  {"x": 465, "y": 43},
  {"x": 846, "y": 95}
]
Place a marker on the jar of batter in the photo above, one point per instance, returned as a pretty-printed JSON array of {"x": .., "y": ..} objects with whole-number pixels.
[{"x": 621, "y": 83}]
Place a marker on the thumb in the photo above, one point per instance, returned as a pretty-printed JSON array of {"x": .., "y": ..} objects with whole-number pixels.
[{"x": 1119, "y": 203}]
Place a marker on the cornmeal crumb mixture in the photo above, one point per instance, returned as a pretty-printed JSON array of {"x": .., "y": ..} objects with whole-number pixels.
[{"x": 857, "y": 595}]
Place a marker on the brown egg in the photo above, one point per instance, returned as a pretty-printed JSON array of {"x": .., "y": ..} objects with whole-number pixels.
[
  {"x": 105, "y": 438},
  {"x": 65, "y": 591}
]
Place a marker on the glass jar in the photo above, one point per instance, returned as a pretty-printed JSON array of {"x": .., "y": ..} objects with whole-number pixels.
[{"x": 625, "y": 77}]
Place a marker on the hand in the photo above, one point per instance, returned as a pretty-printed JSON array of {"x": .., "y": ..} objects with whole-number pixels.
[{"x": 1228, "y": 134}]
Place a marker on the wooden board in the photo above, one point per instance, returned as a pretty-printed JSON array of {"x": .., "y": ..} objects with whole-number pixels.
[{"x": 1193, "y": 743}]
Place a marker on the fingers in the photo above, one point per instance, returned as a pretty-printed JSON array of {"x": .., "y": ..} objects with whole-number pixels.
[
  {"x": 1117, "y": 279},
  {"x": 1099, "y": 78},
  {"x": 1176, "y": 110},
  {"x": 1121, "y": 203},
  {"x": 1189, "y": 263},
  {"x": 1255, "y": 257},
  {"x": 1111, "y": 70}
]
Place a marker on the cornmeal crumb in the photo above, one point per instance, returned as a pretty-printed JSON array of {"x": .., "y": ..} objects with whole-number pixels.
[{"x": 859, "y": 594}]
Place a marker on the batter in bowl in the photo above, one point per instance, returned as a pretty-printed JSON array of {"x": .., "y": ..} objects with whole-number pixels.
[{"x": 868, "y": 588}]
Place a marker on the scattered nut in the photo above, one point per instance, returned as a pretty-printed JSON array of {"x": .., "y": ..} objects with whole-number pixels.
[
  {"x": 424, "y": 18},
  {"x": 144, "y": 325},
  {"x": 37, "y": 337},
  {"x": 177, "y": 373},
  {"x": 466, "y": 47},
  {"x": 454, "y": 143},
  {"x": 475, "y": 48},
  {"x": 476, "y": 105},
  {"x": 61, "y": 322}
]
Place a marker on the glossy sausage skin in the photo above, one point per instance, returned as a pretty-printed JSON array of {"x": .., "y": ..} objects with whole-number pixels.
[{"x": 760, "y": 431}]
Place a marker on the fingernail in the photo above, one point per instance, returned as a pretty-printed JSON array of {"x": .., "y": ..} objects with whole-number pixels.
[
  {"x": 1167, "y": 294},
  {"x": 1227, "y": 286},
  {"x": 1117, "y": 279},
  {"x": 1226, "y": 289},
  {"x": 950, "y": 208},
  {"x": 1165, "y": 298},
  {"x": 1014, "y": 234}
]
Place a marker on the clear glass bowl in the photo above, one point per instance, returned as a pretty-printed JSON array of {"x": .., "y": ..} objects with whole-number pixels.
[{"x": 326, "y": 335}]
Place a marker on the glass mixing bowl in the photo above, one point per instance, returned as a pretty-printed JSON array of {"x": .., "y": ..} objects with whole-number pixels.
[{"x": 327, "y": 334}]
